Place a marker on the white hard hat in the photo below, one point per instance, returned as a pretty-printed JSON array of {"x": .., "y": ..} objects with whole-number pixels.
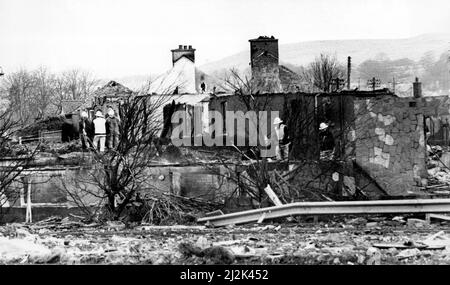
[
  {"x": 323, "y": 126},
  {"x": 111, "y": 112},
  {"x": 277, "y": 121},
  {"x": 99, "y": 114},
  {"x": 84, "y": 114}
]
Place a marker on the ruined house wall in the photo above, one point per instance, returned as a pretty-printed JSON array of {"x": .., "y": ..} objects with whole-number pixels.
[
  {"x": 207, "y": 183},
  {"x": 297, "y": 110},
  {"x": 316, "y": 175},
  {"x": 389, "y": 143},
  {"x": 436, "y": 110},
  {"x": 60, "y": 187},
  {"x": 236, "y": 103}
]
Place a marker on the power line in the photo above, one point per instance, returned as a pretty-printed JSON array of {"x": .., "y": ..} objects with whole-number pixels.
[{"x": 374, "y": 83}]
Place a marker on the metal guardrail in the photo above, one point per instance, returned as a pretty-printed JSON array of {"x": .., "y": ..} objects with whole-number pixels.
[{"x": 332, "y": 208}]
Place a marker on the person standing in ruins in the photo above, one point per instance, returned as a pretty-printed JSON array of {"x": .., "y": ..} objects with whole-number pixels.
[
  {"x": 326, "y": 140},
  {"x": 85, "y": 130},
  {"x": 203, "y": 87},
  {"x": 112, "y": 130},
  {"x": 100, "y": 131},
  {"x": 281, "y": 131},
  {"x": 445, "y": 132}
]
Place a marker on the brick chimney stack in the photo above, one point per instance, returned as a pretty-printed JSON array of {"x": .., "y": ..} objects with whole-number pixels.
[
  {"x": 264, "y": 63},
  {"x": 181, "y": 51}
]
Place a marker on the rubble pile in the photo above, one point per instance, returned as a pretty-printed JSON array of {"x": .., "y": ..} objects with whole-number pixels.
[
  {"x": 15, "y": 150},
  {"x": 438, "y": 165},
  {"x": 48, "y": 124},
  {"x": 360, "y": 240},
  {"x": 169, "y": 209}
]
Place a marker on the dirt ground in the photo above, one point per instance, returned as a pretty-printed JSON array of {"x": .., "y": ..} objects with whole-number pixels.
[{"x": 352, "y": 240}]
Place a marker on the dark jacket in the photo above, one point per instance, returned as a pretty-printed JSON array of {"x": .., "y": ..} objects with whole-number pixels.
[
  {"x": 86, "y": 125},
  {"x": 326, "y": 140},
  {"x": 112, "y": 126}
]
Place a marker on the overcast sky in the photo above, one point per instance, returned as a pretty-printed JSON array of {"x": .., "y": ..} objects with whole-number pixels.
[{"x": 128, "y": 37}]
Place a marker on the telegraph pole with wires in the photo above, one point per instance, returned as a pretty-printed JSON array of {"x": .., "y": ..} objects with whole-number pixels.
[
  {"x": 349, "y": 70},
  {"x": 337, "y": 83},
  {"x": 374, "y": 83},
  {"x": 393, "y": 82}
]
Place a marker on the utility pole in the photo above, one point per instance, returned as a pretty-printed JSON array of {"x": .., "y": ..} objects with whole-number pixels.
[
  {"x": 374, "y": 83},
  {"x": 393, "y": 84},
  {"x": 349, "y": 70},
  {"x": 338, "y": 83},
  {"x": 448, "y": 74}
]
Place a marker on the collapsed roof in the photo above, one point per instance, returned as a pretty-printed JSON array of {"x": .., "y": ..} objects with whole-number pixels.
[{"x": 113, "y": 89}]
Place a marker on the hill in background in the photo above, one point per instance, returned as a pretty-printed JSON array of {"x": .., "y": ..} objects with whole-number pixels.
[{"x": 409, "y": 57}]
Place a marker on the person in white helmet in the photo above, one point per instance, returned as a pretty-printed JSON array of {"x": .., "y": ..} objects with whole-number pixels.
[
  {"x": 326, "y": 137},
  {"x": 100, "y": 131},
  {"x": 281, "y": 131}
]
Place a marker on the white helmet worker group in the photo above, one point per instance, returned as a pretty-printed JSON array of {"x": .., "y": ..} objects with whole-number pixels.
[{"x": 99, "y": 113}]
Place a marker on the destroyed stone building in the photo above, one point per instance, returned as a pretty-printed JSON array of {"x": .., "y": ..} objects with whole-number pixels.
[
  {"x": 111, "y": 95},
  {"x": 381, "y": 138}
]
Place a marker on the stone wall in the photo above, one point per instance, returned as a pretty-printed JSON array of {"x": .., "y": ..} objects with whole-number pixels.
[
  {"x": 316, "y": 175},
  {"x": 64, "y": 186},
  {"x": 389, "y": 143}
]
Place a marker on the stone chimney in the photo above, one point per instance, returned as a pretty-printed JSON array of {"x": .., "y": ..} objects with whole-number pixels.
[
  {"x": 417, "y": 88},
  {"x": 264, "y": 63},
  {"x": 181, "y": 51}
]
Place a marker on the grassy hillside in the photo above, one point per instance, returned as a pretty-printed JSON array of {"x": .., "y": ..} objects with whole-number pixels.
[{"x": 360, "y": 50}]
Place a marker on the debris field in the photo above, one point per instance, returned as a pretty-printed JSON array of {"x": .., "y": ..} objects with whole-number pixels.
[{"x": 349, "y": 240}]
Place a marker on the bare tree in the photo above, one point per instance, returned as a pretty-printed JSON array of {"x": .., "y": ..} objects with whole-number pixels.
[
  {"x": 120, "y": 173},
  {"x": 44, "y": 90},
  {"x": 252, "y": 181},
  {"x": 19, "y": 87},
  {"x": 10, "y": 170},
  {"x": 73, "y": 84},
  {"x": 78, "y": 84},
  {"x": 246, "y": 88},
  {"x": 321, "y": 72},
  {"x": 32, "y": 92}
]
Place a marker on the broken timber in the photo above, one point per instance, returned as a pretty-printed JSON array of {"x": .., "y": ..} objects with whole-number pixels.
[
  {"x": 332, "y": 208},
  {"x": 272, "y": 195},
  {"x": 435, "y": 216}
]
